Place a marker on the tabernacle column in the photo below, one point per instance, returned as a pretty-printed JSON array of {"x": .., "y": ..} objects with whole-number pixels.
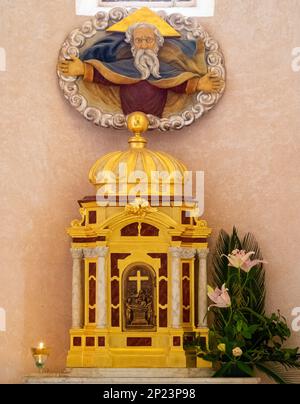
[
  {"x": 77, "y": 304},
  {"x": 175, "y": 302},
  {"x": 101, "y": 295},
  {"x": 202, "y": 288}
]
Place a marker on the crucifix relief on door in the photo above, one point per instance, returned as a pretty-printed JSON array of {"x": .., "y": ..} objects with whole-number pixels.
[{"x": 139, "y": 309}]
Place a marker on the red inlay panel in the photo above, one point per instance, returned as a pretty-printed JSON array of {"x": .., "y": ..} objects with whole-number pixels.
[
  {"x": 189, "y": 239},
  {"x": 92, "y": 217},
  {"x": 92, "y": 269},
  {"x": 139, "y": 341},
  {"x": 90, "y": 341},
  {"x": 163, "y": 292},
  {"x": 115, "y": 294},
  {"x": 186, "y": 269},
  {"x": 131, "y": 230},
  {"x": 186, "y": 315},
  {"x": 163, "y": 317},
  {"x": 114, "y": 262},
  {"x": 176, "y": 341},
  {"x": 92, "y": 292},
  {"x": 101, "y": 341},
  {"x": 188, "y": 339},
  {"x": 163, "y": 270},
  {"x": 92, "y": 315},
  {"x": 185, "y": 292},
  {"x": 77, "y": 341},
  {"x": 163, "y": 287},
  {"x": 114, "y": 270},
  {"x": 115, "y": 317},
  {"x": 88, "y": 239},
  {"x": 149, "y": 230}
]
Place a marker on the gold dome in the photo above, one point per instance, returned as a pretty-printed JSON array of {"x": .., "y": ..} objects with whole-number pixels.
[{"x": 118, "y": 168}]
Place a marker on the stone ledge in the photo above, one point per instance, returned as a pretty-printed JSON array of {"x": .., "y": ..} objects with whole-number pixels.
[
  {"x": 137, "y": 372},
  {"x": 141, "y": 380},
  {"x": 135, "y": 376}
]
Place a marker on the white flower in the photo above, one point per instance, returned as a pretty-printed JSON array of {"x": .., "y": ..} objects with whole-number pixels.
[
  {"x": 241, "y": 259},
  {"x": 237, "y": 352}
]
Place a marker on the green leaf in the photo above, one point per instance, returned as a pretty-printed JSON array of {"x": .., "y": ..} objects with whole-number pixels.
[
  {"x": 246, "y": 334},
  {"x": 222, "y": 371},
  {"x": 245, "y": 368},
  {"x": 239, "y": 325},
  {"x": 256, "y": 280},
  {"x": 209, "y": 357},
  {"x": 253, "y": 328}
]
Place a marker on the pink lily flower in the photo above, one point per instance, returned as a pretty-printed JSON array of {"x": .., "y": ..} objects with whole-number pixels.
[
  {"x": 241, "y": 260},
  {"x": 220, "y": 297}
]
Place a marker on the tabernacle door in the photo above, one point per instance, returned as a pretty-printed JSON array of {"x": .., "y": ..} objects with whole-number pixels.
[{"x": 139, "y": 297}]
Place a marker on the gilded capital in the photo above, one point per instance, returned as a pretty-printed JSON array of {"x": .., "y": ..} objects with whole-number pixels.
[
  {"x": 202, "y": 253},
  {"x": 76, "y": 253},
  {"x": 95, "y": 252},
  {"x": 89, "y": 253},
  {"x": 180, "y": 252},
  {"x": 101, "y": 251},
  {"x": 175, "y": 252},
  {"x": 188, "y": 253}
]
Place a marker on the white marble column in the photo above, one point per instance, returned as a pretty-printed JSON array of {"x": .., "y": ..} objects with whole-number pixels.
[
  {"x": 175, "y": 270},
  {"x": 101, "y": 294},
  {"x": 77, "y": 295},
  {"x": 178, "y": 253},
  {"x": 202, "y": 288}
]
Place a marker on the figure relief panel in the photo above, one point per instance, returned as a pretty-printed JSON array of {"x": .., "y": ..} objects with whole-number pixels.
[
  {"x": 139, "y": 298},
  {"x": 123, "y": 61}
]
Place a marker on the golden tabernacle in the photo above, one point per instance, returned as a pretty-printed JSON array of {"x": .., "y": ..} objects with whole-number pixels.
[{"x": 139, "y": 265}]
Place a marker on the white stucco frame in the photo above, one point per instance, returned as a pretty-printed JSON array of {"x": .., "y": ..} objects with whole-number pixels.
[{"x": 204, "y": 8}]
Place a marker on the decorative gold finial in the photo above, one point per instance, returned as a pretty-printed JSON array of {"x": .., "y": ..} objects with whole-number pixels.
[{"x": 137, "y": 123}]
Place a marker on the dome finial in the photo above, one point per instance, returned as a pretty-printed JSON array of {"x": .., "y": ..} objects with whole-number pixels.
[{"x": 137, "y": 123}]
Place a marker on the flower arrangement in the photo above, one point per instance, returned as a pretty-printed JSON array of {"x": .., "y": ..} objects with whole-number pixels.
[{"x": 243, "y": 337}]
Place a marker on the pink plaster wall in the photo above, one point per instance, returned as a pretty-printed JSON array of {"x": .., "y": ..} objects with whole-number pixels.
[{"x": 248, "y": 147}]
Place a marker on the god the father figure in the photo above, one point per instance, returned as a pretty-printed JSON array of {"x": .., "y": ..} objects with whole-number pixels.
[{"x": 145, "y": 66}]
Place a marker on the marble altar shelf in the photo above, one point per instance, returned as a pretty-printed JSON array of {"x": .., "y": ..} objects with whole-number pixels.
[{"x": 134, "y": 376}]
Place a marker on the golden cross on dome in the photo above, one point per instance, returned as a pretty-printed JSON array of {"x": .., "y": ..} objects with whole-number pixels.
[
  {"x": 144, "y": 15},
  {"x": 138, "y": 278}
]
